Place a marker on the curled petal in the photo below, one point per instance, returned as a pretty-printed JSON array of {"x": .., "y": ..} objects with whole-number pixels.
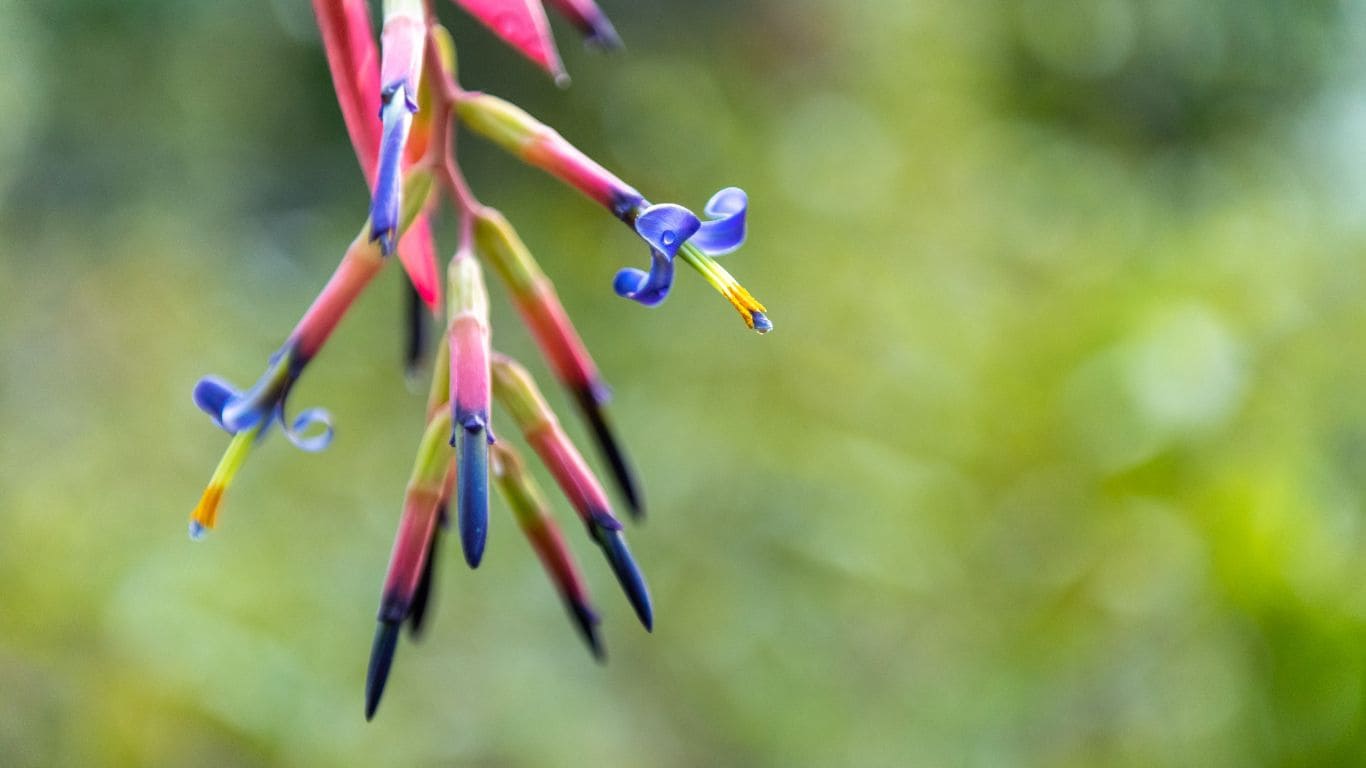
[
  {"x": 234, "y": 410},
  {"x": 666, "y": 227},
  {"x": 725, "y": 231},
  {"x": 310, "y": 431},
  {"x": 212, "y": 395},
  {"x": 648, "y": 288}
]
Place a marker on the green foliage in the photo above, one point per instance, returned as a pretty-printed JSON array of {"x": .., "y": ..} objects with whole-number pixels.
[{"x": 1057, "y": 458}]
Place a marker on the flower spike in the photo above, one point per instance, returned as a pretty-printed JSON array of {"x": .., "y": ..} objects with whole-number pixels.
[
  {"x": 401, "y": 102},
  {"x": 523, "y": 496},
  {"x": 517, "y": 392},
  {"x": 597, "y": 30},
  {"x": 469, "y": 384}
]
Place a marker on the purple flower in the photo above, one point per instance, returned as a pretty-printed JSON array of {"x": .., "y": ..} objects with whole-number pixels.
[
  {"x": 264, "y": 405},
  {"x": 667, "y": 228}
]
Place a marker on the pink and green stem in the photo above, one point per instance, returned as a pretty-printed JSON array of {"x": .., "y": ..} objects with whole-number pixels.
[{"x": 522, "y": 401}]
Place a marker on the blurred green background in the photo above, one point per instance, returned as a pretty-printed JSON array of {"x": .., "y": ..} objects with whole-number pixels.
[{"x": 1057, "y": 456}]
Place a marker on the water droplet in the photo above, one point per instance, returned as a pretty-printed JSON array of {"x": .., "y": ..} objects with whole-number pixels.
[{"x": 668, "y": 238}]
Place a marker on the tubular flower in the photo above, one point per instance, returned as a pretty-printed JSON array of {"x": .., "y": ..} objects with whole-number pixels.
[
  {"x": 469, "y": 387},
  {"x": 404, "y": 39},
  {"x": 670, "y": 230},
  {"x": 401, "y": 102}
]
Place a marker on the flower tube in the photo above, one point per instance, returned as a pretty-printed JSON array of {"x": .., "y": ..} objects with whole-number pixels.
[{"x": 670, "y": 230}]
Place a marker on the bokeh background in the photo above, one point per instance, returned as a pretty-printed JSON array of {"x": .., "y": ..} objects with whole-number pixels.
[{"x": 1057, "y": 456}]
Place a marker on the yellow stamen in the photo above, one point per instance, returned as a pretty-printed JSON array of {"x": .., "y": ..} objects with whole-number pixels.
[
  {"x": 723, "y": 282},
  {"x": 205, "y": 514}
]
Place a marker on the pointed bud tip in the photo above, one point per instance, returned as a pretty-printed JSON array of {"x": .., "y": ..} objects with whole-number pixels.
[
  {"x": 197, "y": 531},
  {"x": 586, "y": 619},
  {"x": 473, "y": 547},
  {"x": 381, "y": 659},
  {"x": 628, "y": 575},
  {"x": 604, "y": 38}
]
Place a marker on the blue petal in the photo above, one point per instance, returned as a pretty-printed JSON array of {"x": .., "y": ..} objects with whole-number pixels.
[
  {"x": 306, "y": 422},
  {"x": 666, "y": 227},
  {"x": 255, "y": 406},
  {"x": 726, "y": 230},
  {"x": 231, "y": 409},
  {"x": 650, "y": 288},
  {"x": 212, "y": 395},
  {"x": 384, "y": 207}
]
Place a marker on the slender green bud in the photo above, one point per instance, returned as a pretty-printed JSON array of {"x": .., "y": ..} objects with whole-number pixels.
[
  {"x": 501, "y": 122},
  {"x": 499, "y": 243},
  {"x": 433, "y": 454},
  {"x": 517, "y": 391}
]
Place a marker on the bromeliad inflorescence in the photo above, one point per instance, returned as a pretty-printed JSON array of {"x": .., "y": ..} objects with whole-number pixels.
[{"x": 401, "y": 104}]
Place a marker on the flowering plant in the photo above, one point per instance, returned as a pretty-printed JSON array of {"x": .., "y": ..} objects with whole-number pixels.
[{"x": 401, "y": 102}]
